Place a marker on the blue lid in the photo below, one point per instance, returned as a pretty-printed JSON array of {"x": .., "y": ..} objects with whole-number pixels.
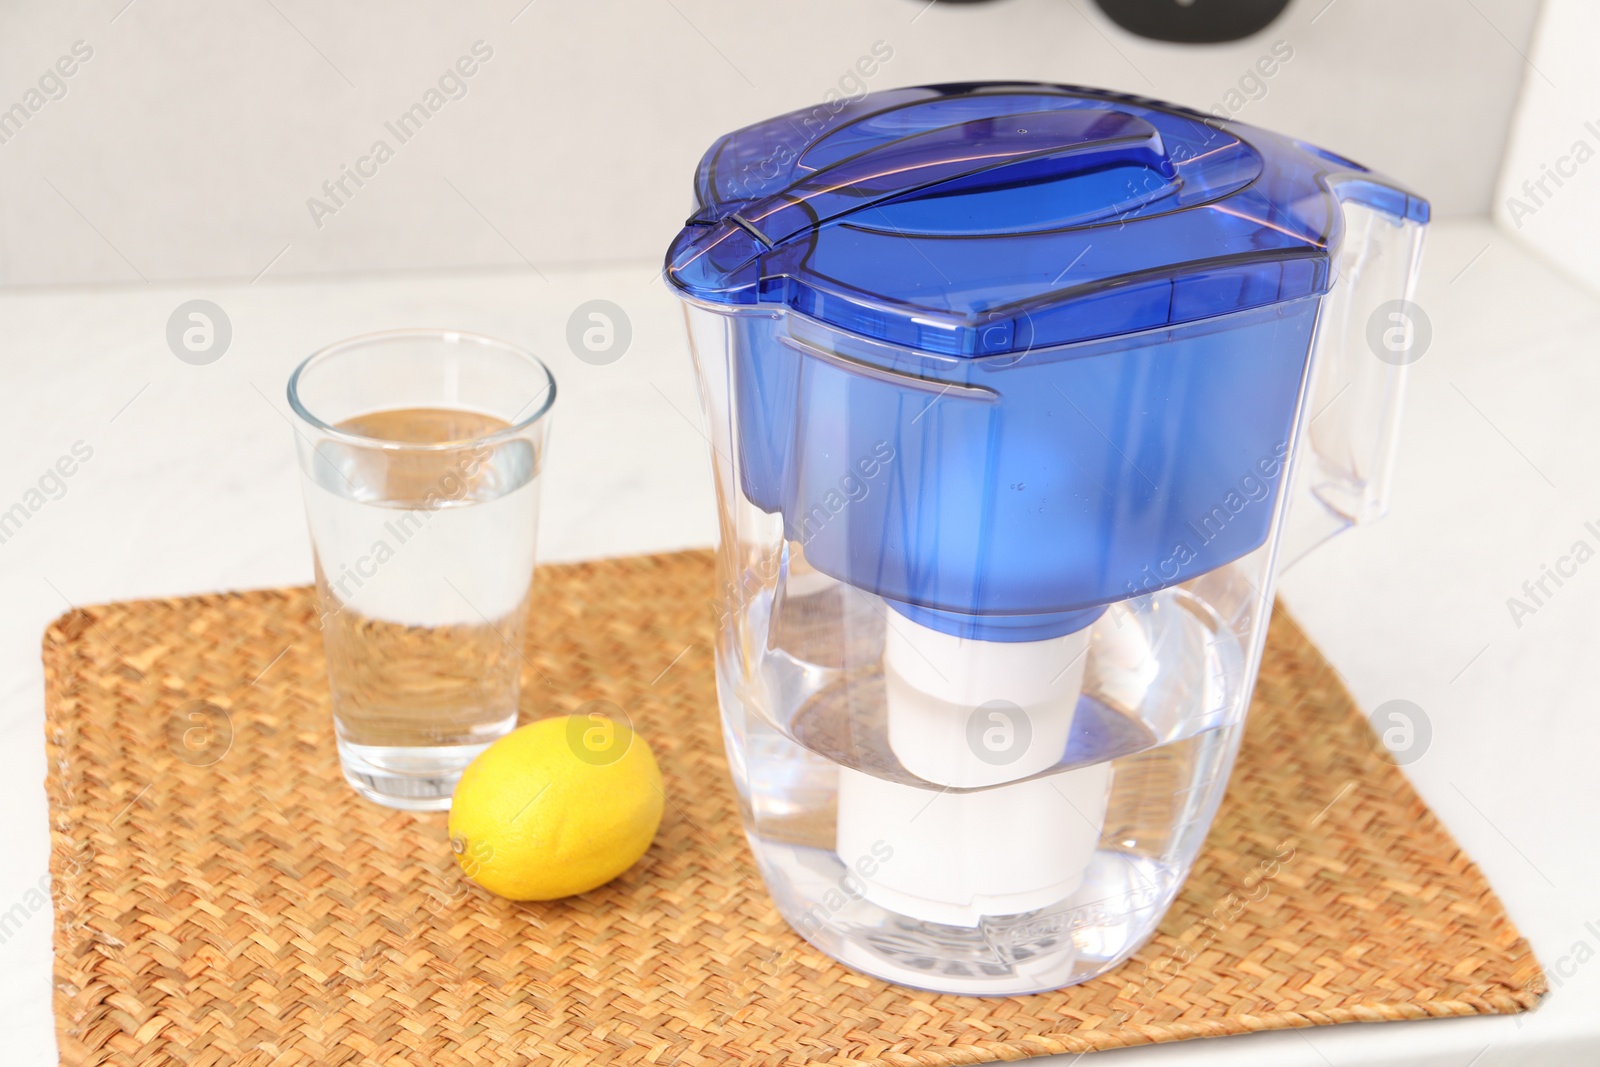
[{"x": 984, "y": 218}]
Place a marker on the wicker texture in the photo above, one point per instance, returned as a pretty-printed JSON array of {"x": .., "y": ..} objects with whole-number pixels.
[{"x": 222, "y": 897}]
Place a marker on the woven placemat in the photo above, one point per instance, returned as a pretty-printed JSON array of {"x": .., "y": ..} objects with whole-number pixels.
[{"x": 240, "y": 906}]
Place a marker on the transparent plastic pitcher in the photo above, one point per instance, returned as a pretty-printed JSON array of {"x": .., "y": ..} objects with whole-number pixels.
[{"x": 1010, "y": 388}]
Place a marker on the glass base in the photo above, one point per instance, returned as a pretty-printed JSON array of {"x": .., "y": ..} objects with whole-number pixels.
[
  {"x": 1114, "y": 913},
  {"x": 414, "y": 778}
]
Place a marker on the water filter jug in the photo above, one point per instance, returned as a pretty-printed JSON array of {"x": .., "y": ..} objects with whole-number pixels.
[{"x": 1011, "y": 388}]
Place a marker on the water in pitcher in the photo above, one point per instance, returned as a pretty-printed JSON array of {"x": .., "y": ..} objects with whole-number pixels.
[{"x": 424, "y": 564}]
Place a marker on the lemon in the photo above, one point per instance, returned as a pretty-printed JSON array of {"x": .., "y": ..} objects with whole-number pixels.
[{"x": 556, "y": 807}]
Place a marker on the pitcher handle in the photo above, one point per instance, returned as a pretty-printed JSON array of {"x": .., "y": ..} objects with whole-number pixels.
[{"x": 1369, "y": 332}]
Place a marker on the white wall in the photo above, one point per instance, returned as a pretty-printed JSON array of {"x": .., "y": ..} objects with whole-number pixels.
[
  {"x": 188, "y": 145},
  {"x": 1549, "y": 195}
]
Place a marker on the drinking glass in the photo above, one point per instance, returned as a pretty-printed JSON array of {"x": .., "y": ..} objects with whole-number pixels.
[{"x": 420, "y": 453}]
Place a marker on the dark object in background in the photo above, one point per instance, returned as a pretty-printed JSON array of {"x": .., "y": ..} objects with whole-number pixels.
[{"x": 1193, "y": 21}]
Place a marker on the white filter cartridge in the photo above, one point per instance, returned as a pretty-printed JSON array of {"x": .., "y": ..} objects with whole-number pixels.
[{"x": 970, "y": 714}]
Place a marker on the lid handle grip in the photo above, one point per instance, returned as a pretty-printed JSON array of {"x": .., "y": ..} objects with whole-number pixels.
[{"x": 991, "y": 153}]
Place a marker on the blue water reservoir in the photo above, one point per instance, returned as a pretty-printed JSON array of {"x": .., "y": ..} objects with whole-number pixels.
[{"x": 1003, "y": 354}]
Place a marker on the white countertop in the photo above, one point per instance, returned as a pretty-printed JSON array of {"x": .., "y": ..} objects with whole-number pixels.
[{"x": 192, "y": 487}]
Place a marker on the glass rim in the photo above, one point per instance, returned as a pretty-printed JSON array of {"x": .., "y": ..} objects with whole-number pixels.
[{"x": 446, "y": 336}]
